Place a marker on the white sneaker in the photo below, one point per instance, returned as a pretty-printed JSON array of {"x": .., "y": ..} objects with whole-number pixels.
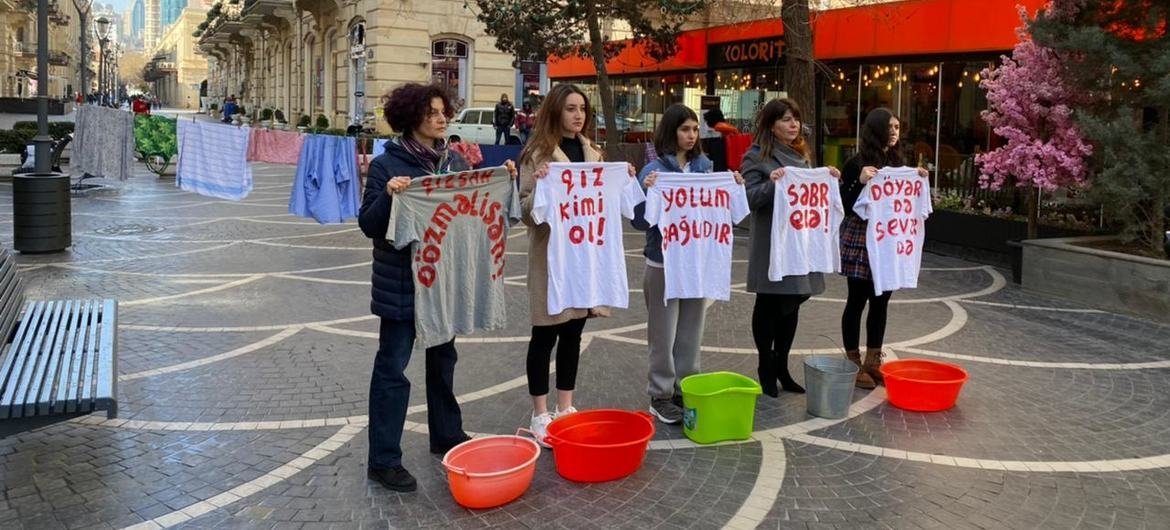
[
  {"x": 565, "y": 412},
  {"x": 539, "y": 427}
]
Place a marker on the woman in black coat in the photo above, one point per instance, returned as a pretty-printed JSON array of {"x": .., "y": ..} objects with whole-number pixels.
[{"x": 420, "y": 113}]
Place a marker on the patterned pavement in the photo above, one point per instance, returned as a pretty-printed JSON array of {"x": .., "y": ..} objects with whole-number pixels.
[{"x": 245, "y": 352}]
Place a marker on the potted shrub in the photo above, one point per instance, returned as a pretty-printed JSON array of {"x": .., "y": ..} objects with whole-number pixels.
[
  {"x": 303, "y": 123},
  {"x": 213, "y": 110},
  {"x": 266, "y": 117},
  {"x": 281, "y": 123},
  {"x": 322, "y": 122}
]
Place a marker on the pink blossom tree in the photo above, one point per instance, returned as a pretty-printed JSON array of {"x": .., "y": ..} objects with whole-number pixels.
[{"x": 1031, "y": 107}]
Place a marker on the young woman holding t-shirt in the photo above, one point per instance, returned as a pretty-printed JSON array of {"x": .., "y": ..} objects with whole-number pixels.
[
  {"x": 560, "y": 134},
  {"x": 674, "y": 331},
  {"x": 779, "y": 142},
  {"x": 879, "y": 148}
]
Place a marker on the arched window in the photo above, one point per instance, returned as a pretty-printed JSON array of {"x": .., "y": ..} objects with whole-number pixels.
[{"x": 449, "y": 68}]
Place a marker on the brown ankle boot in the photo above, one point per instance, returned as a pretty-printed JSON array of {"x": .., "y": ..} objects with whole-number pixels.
[
  {"x": 873, "y": 364},
  {"x": 863, "y": 381}
]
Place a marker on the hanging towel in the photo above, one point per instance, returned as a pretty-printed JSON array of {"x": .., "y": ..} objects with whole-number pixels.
[
  {"x": 213, "y": 160},
  {"x": 103, "y": 142},
  {"x": 276, "y": 147},
  {"x": 326, "y": 187}
]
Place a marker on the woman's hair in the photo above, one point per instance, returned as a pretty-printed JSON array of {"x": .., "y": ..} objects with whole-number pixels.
[
  {"x": 713, "y": 116},
  {"x": 407, "y": 106},
  {"x": 666, "y": 136},
  {"x": 527, "y": 107},
  {"x": 546, "y": 132},
  {"x": 875, "y": 140},
  {"x": 768, "y": 116}
]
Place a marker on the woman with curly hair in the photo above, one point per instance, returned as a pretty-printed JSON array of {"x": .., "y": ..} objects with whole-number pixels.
[{"x": 420, "y": 113}]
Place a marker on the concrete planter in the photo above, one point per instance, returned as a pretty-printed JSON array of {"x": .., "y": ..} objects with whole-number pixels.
[{"x": 1099, "y": 278}]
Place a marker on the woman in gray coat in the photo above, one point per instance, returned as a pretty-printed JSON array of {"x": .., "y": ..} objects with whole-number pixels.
[{"x": 778, "y": 143}]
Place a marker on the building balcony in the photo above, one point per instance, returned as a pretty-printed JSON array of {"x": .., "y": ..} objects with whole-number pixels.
[
  {"x": 24, "y": 49},
  {"x": 256, "y": 10},
  {"x": 58, "y": 58}
]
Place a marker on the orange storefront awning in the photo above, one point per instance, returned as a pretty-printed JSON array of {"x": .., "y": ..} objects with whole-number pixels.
[{"x": 907, "y": 28}]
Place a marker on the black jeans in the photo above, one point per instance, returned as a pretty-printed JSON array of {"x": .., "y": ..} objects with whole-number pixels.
[
  {"x": 860, "y": 292},
  {"x": 390, "y": 393},
  {"x": 502, "y": 132},
  {"x": 568, "y": 355}
]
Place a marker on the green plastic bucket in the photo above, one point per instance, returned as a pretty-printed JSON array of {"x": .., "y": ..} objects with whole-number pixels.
[{"x": 718, "y": 406}]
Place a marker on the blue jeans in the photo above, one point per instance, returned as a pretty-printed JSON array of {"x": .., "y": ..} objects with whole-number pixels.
[
  {"x": 390, "y": 393},
  {"x": 501, "y": 132}
]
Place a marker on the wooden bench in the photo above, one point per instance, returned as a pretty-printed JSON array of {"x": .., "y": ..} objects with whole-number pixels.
[{"x": 58, "y": 360}]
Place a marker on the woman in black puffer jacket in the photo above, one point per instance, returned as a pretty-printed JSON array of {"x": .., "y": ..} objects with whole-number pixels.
[{"x": 420, "y": 113}]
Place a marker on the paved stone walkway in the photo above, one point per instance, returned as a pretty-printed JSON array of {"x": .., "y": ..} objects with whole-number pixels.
[{"x": 245, "y": 352}]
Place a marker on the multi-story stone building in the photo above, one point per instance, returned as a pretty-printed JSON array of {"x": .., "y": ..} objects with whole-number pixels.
[
  {"x": 18, "y": 49},
  {"x": 338, "y": 57},
  {"x": 176, "y": 70}
]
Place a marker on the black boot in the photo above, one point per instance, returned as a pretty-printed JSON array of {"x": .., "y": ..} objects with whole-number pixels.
[
  {"x": 394, "y": 479},
  {"x": 785, "y": 378},
  {"x": 767, "y": 373}
]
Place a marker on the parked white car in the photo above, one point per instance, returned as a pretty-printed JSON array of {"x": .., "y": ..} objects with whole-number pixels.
[{"x": 476, "y": 125}]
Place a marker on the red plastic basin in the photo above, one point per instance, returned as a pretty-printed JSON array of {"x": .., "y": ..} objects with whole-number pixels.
[
  {"x": 491, "y": 471},
  {"x": 921, "y": 385},
  {"x": 600, "y": 445}
]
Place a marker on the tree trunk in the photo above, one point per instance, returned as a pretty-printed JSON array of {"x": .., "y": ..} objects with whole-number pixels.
[
  {"x": 1158, "y": 220},
  {"x": 799, "y": 74},
  {"x": 82, "y": 16},
  {"x": 1033, "y": 213},
  {"x": 597, "y": 49}
]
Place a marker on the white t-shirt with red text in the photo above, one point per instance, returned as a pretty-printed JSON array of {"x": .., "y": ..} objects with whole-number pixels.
[
  {"x": 806, "y": 220},
  {"x": 583, "y": 203},
  {"x": 695, "y": 213},
  {"x": 896, "y": 203}
]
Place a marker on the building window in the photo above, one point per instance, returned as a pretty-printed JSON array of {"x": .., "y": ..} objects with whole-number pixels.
[{"x": 449, "y": 69}]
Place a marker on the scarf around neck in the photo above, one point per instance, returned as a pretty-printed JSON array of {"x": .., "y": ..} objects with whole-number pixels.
[{"x": 432, "y": 158}]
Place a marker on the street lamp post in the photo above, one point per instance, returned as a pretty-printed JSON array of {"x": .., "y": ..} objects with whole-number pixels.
[
  {"x": 41, "y": 211},
  {"x": 103, "y": 35}
]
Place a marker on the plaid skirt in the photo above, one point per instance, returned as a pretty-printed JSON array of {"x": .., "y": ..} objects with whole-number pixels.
[{"x": 854, "y": 256}]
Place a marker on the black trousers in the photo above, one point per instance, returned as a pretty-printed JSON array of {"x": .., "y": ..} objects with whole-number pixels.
[
  {"x": 567, "y": 339},
  {"x": 861, "y": 292}
]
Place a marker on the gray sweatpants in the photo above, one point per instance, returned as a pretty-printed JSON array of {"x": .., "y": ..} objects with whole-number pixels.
[{"x": 675, "y": 334}]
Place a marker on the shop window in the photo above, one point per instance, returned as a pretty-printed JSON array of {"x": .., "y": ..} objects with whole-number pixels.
[
  {"x": 839, "y": 114},
  {"x": 918, "y": 108}
]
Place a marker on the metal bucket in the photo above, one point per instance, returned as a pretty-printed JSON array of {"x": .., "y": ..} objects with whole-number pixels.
[{"x": 829, "y": 382}]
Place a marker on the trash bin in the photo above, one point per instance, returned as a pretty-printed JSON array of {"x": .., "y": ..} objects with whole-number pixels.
[
  {"x": 41, "y": 220},
  {"x": 829, "y": 382}
]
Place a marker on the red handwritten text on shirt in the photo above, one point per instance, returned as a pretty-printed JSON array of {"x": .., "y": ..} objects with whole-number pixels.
[
  {"x": 903, "y": 224},
  {"x": 455, "y": 181},
  {"x": 476, "y": 205},
  {"x": 813, "y": 211},
  {"x": 584, "y": 212}
]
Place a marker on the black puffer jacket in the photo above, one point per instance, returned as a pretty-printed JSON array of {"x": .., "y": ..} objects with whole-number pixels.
[{"x": 393, "y": 284}]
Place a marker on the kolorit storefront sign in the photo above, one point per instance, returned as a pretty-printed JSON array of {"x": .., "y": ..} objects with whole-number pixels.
[{"x": 754, "y": 52}]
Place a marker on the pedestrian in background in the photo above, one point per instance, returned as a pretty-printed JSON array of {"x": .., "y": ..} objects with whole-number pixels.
[
  {"x": 524, "y": 122},
  {"x": 504, "y": 116}
]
